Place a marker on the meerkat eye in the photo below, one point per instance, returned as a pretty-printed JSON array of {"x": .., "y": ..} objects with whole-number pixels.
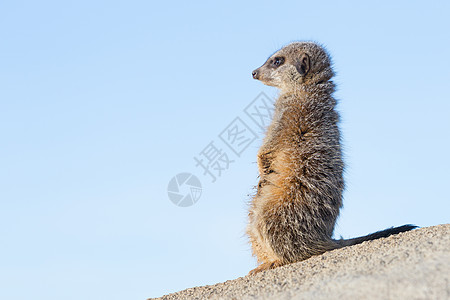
[{"x": 278, "y": 61}]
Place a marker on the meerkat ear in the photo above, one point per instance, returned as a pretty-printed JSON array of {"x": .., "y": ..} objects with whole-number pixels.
[{"x": 303, "y": 64}]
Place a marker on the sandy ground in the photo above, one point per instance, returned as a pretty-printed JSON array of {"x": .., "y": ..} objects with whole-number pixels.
[{"x": 410, "y": 265}]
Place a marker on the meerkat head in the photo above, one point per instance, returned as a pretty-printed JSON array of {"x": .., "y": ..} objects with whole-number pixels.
[{"x": 298, "y": 63}]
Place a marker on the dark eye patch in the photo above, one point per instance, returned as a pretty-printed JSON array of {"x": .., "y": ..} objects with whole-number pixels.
[{"x": 277, "y": 61}]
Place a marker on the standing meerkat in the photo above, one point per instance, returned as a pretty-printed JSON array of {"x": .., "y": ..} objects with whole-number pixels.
[{"x": 294, "y": 211}]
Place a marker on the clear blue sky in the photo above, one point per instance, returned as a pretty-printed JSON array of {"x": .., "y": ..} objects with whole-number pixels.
[{"x": 103, "y": 102}]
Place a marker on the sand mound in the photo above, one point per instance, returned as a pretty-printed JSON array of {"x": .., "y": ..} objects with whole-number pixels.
[{"x": 410, "y": 265}]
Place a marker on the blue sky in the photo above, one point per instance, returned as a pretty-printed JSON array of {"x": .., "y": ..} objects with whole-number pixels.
[{"x": 102, "y": 103}]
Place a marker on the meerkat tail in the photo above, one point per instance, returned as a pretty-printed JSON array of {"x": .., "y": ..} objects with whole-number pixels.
[{"x": 375, "y": 235}]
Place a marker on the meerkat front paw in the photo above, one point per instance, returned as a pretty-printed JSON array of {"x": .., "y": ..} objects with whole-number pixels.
[
  {"x": 265, "y": 161},
  {"x": 265, "y": 266}
]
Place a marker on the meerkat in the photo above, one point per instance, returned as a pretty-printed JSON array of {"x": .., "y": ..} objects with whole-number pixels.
[{"x": 294, "y": 210}]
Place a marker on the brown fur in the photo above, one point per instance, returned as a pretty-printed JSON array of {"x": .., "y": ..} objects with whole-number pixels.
[{"x": 293, "y": 214}]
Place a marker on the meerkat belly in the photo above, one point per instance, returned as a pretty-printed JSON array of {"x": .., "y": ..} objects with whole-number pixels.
[
  {"x": 295, "y": 217},
  {"x": 290, "y": 228}
]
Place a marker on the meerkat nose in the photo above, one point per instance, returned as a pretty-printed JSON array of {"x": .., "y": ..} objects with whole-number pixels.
[{"x": 255, "y": 74}]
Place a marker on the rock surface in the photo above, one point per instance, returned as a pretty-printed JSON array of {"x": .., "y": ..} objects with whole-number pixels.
[{"x": 410, "y": 265}]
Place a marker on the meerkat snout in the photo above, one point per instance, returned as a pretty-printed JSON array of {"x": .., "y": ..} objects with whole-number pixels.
[{"x": 268, "y": 72}]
